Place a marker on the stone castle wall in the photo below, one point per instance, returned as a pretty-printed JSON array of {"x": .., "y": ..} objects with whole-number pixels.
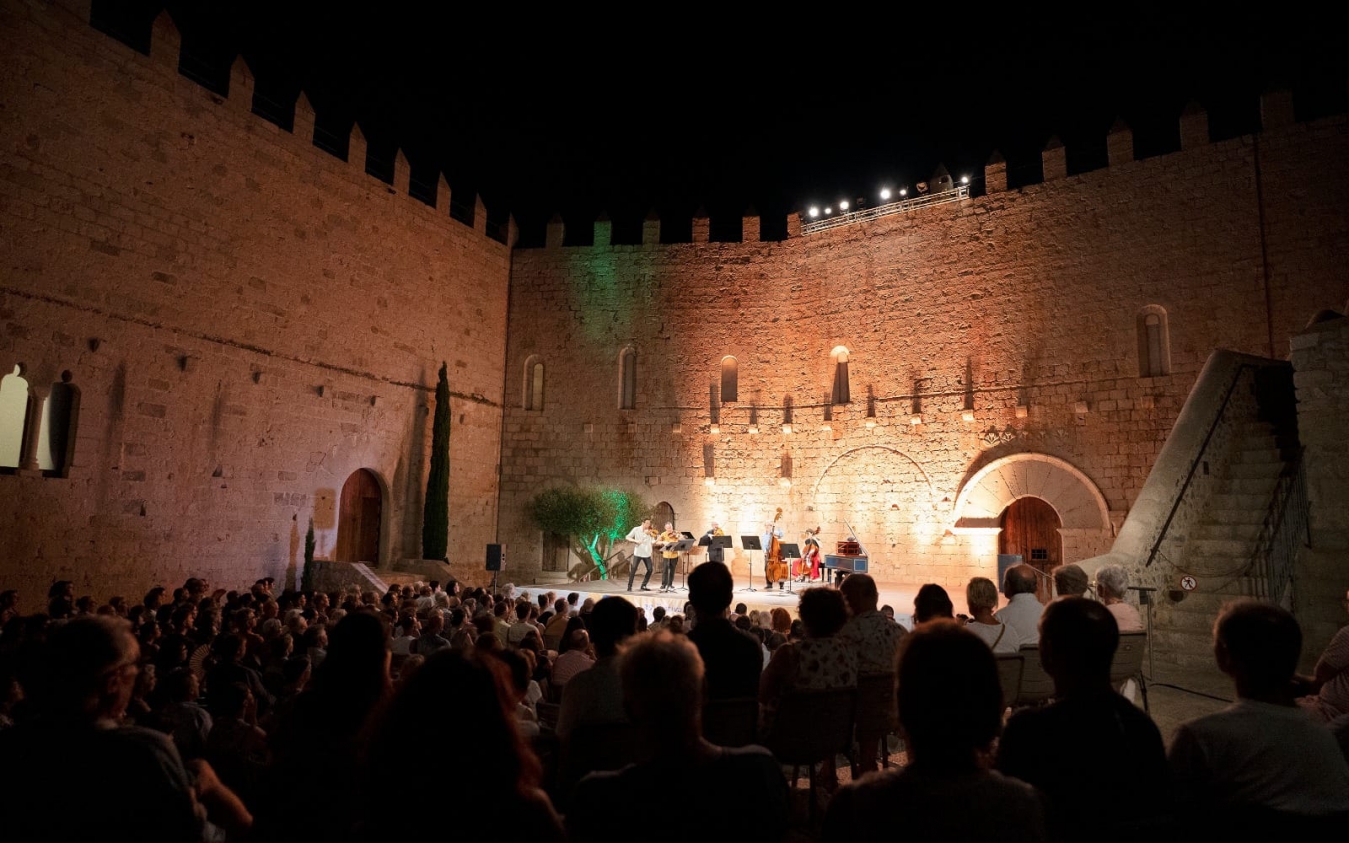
[
  {"x": 1006, "y": 326},
  {"x": 247, "y": 320}
]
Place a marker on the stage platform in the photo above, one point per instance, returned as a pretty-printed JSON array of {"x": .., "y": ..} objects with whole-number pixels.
[{"x": 898, "y": 595}]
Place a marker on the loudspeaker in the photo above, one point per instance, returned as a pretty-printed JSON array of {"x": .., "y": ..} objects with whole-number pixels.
[{"x": 494, "y": 557}]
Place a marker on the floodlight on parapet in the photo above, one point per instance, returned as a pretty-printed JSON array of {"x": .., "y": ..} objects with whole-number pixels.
[
  {"x": 828, "y": 211},
  {"x": 885, "y": 194},
  {"x": 843, "y": 206},
  {"x": 903, "y": 191},
  {"x": 814, "y": 211},
  {"x": 964, "y": 179}
]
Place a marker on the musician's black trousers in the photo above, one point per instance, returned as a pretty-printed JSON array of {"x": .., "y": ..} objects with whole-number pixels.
[
  {"x": 632, "y": 570},
  {"x": 667, "y": 579}
]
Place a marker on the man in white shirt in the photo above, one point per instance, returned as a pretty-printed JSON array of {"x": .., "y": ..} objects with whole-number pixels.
[
  {"x": 1023, "y": 610},
  {"x": 1263, "y": 757},
  {"x": 641, "y": 536}
]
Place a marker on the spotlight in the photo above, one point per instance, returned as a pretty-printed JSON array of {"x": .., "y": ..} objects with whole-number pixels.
[
  {"x": 885, "y": 193},
  {"x": 828, "y": 211},
  {"x": 814, "y": 212},
  {"x": 964, "y": 179},
  {"x": 843, "y": 206},
  {"x": 903, "y": 191}
]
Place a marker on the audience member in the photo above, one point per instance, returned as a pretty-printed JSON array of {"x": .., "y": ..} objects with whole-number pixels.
[
  {"x": 875, "y": 642},
  {"x": 1325, "y": 694},
  {"x": 1046, "y": 747},
  {"x": 1071, "y": 581},
  {"x": 732, "y": 659},
  {"x": 738, "y": 794},
  {"x": 499, "y": 787},
  {"x": 594, "y": 695},
  {"x": 950, "y": 710},
  {"x": 76, "y": 775},
  {"x": 1023, "y": 609},
  {"x": 1262, "y": 762},
  {"x": 576, "y": 658},
  {"x": 932, "y": 603},
  {"x": 981, "y": 595},
  {"x": 1112, "y": 583}
]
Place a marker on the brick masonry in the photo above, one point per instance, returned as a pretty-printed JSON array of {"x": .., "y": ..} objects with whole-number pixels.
[
  {"x": 247, "y": 318},
  {"x": 1005, "y": 325}
]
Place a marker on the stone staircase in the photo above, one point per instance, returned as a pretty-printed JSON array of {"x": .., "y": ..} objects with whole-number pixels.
[{"x": 1218, "y": 552}]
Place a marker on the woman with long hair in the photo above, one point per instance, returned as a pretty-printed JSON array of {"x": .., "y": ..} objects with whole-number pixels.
[{"x": 469, "y": 689}]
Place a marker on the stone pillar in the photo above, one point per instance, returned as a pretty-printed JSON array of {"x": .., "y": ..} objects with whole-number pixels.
[
  {"x": 356, "y": 147},
  {"x": 1193, "y": 126},
  {"x": 651, "y": 228},
  {"x": 604, "y": 231},
  {"x": 702, "y": 227},
  {"x": 1276, "y": 109},
  {"x": 1119, "y": 143},
  {"x": 32, "y": 428},
  {"x": 402, "y": 173},
  {"x": 166, "y": 44},
  {"x": 1055, "y": 159},
  {"x": 556, "y": 232},
  {"x": 303, "y": 123},
  {"x": 751, "y": 227},
  {"x": 995, "y": 173},
  {"x": 241, "y": 86}
]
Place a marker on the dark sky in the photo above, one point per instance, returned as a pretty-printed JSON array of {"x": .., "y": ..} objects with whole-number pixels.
[{"x": 673, "y": 107}]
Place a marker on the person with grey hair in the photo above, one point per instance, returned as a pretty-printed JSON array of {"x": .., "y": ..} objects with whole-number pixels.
[
  {"x": 1023, "y": 609},
  {"x": 737, "y": 793},
  {"x": 1071, "y": 581},
  {"x": 1112, "y": 582}
]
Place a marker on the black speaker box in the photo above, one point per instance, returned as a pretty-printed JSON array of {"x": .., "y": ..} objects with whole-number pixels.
[{"x": 494, "y": 557}]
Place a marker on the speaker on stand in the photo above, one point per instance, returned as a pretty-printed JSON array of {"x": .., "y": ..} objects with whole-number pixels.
[{"x": 495, "y": 557}]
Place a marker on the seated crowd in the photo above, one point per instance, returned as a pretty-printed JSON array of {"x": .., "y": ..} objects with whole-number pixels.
[{"x": 200, "y": 714}]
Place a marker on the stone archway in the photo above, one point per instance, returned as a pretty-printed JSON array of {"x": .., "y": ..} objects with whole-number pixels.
[{"x": 1081, "y": 508}]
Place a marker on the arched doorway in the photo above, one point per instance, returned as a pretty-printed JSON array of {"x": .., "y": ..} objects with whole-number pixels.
[
  {"x": 663, "y": 514},
  {"x": 358, "y": 518},
  {"x": 1030, "y": 528}
]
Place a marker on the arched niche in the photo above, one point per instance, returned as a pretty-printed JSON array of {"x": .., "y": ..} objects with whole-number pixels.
[{"x": 1080, "y": 505}]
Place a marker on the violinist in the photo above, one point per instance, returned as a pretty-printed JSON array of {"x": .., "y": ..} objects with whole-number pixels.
[
  {"x": 668, "y": 540},
  {"x": 642, "y": 536},
  {"x": 714, "y": 553}
]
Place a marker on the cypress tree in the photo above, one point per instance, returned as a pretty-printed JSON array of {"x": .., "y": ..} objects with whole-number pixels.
[{"x": 436, "y": 515}]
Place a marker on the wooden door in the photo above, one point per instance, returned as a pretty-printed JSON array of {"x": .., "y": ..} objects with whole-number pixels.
[
  {"x": 556, "y": 551},
  {"x": 358, "y": 519},
  {"x": 1030, "y": 527},
  {"x": 663, "y": 514}
]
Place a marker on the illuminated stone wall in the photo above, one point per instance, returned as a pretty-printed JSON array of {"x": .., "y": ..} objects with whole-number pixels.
[
  {"x": 1005, "y": 325},
  {"x": 247, "y": 319}
]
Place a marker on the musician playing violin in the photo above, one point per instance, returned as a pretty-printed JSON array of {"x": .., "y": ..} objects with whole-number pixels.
[
  {"x": 668, "y": 539},
  {"x": 642, "y": 536}
]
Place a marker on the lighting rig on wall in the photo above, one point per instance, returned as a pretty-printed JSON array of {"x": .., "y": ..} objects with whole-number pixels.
[{"x": 821, "y": 218}]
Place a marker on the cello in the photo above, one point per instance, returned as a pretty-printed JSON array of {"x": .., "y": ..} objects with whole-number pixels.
[{"x": 775, "y": 570}]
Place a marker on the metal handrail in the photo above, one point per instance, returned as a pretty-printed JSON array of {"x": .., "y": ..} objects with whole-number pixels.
[
  {"x": 1282, "y": 534},
  {"x": 1198, "y": 460},
  {"x": 902, "y": 206}
]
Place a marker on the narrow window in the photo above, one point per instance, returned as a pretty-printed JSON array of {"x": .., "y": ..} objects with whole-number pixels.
[
  {"x": 13, "y": 415},
  {"x": 730, "y": 379},
  {"x": 56, "y": 435},
  {"x": 627, "y": 379},
  {"x": 532, "y": 398},
  {"x": 1154, "y": 343},
  {"x": 841, "y": 393}
]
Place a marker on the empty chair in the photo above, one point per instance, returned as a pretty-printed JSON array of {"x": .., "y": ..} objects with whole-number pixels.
[
  {"x": 877, "y": 719},
  {"x": 1037, "y": 687},
  {"x": 731, "y": 722},
  {"x": 1128, "y": 662},
  {"x": 810, "y": 726},
  {"x": 1010, "y": 666}
]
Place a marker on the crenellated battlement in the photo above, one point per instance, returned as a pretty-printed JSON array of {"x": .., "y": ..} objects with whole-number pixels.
[{"x": 166, "y": 46}]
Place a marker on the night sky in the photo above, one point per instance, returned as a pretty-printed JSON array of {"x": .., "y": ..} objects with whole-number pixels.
[{"x": 674, "y": 108}]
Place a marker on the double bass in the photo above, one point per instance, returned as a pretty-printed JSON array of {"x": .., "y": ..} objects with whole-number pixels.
[{"x": 775, "y": 570}]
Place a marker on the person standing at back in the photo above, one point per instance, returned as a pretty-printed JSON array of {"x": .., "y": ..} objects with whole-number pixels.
[{"x": 733, "y": 659}]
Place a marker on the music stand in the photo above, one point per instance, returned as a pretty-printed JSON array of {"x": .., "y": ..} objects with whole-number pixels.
[
  {"x": 789, "y": 552},
  {"x": 751, "y": 544},
  {"x": 682, "y": 547}
]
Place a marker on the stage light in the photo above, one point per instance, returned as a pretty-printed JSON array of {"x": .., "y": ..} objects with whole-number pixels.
[
  {"x": 903, "y": 191},
  {"x": 843, "y": 206},
  {"x": 968, "y": 415},
  {"x": 709, "y": 481},
  {"x": 785, "y": 482},
  {"x": 786, "y": 428},
  {"x": 714, "y": 429},
  {"x": 871, "y": 423},
  {"x": 754, "y": 428},
  {"x": 964, "y": 179},
  {"x": 676, "y": 428},
  {"x": 885, "y": 193},
  {"x": 915, "y": 419},
  {"x": 828, "y": 211},
  {"x": 826, "y": 426},
  {"x": 814, "y": 212}
]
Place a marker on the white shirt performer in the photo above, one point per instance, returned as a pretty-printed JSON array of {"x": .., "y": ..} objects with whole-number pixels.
[{"x": 642, "y": 536}]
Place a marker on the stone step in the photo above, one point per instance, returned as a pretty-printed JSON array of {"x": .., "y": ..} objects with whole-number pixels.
[
  {"x": 1254, "y": 470},
  {"x": 1248, "y": 531},
  {"x": 1261, "y": 486},
  {"x": 1258, "y": 453},
  {"x": 1209, "y": 567},
  {"x": 1198, "y": 546},
  {"x": 1239, "y": 502}
]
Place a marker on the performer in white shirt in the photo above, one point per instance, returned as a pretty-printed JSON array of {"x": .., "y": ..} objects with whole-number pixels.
[{"x": 642, "y": 536}]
